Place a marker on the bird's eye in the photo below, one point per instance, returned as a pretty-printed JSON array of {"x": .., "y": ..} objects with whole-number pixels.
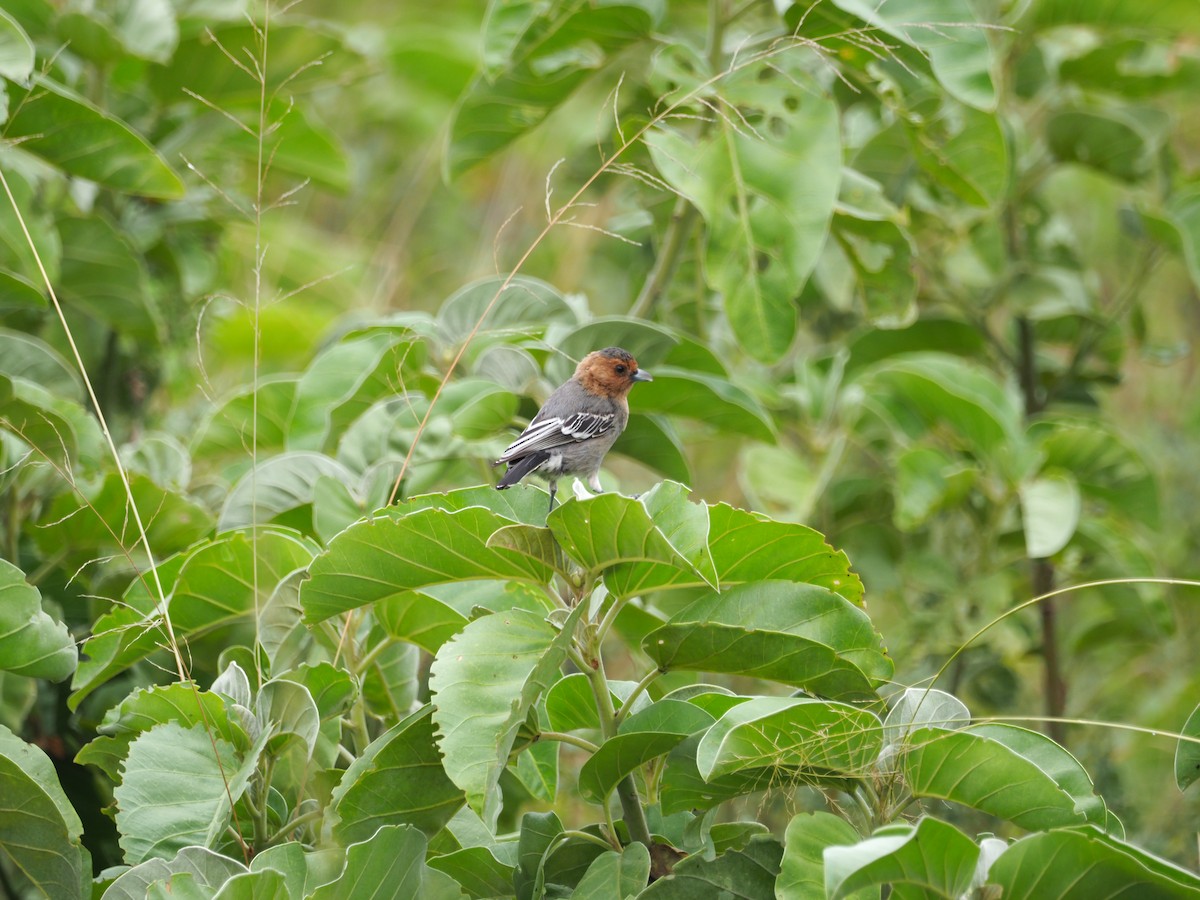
[{"x": 620, "y": 369}]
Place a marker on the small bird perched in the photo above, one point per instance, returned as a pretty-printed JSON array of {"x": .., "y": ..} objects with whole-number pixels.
[{"x": 578, "y": 423}]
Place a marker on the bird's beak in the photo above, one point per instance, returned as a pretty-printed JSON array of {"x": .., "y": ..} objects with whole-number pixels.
[{"x": 642, "y": 375}]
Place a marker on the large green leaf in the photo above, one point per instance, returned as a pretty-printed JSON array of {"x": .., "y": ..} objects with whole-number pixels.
[
  {"x": 1103, "y": 464},
  {"x": 747, "y": 873},
  {"x": 103, "y": 523},
  {"x": 558, "y": 47},
  {"x": 967, "y": 405},
  {"x": 709, "y": 398},
  {"x": 1106, "y": 141},
  {"x": 1010, "y": 772},
  {"x": 953, "y": 39},
  {"x": 379, "y": 557},
  {"x": 802, "y": 869},
  {"x": 747, "y": 546},
  {"x": 397, "y": 780},
  {"x": 793, "y": 733},
  {"x": 797, "y": 634},
  {"x": 643, "y": 736},
  {"x": 16, "y": 50},
  {"x": 181, "y": 703},
  {"x": 388, "y": 865},
  {"x": 215, "y": 584},
  {"x": 639, "y": 544},
  {"x": 206, "y": 867},
  {"x": 654, "y": 443},
  {"x": 102, "y": 275},
  {"x": 766, "y": 195},
  {"x": 69, "y": 132},
  {"x": 40, "y": 831},
  {"x": 173, "y": 792},
  {"x": 1082, "y": 863},
  {"x": 615, "y": 876},
  {"x": 31, "y": 642},
  {"x": 484, "y": 682},
  {"x": 526, "y": 304},
  {"x": 145, "y": 29},
  {"x": 347, "y": 378},
  {"x": 278, "y": 485},
  {"x": 931, "y": 855},
  {"x": 45, "y": 422}
]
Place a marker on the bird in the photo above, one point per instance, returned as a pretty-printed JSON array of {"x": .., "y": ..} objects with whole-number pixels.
[{"x": 578, "y": 423}]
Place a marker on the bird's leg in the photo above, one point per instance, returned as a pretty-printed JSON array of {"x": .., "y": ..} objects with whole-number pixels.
[
  {"x": 594, "y": 483},
  {"x": 553, "y": 491}
]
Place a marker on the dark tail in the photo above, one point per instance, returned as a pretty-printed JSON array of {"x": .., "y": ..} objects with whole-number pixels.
[{"x": 518, "y": 469}]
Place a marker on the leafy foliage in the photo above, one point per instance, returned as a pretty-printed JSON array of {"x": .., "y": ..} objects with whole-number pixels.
[{"x": 888, "y": 264}]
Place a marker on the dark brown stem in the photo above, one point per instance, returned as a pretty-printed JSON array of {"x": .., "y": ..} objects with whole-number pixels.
[{"x": 1054, "y": 685}]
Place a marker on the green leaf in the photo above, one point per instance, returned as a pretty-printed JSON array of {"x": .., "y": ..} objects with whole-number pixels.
[
  {"x": 1103, "y": 464},
  {"x": 880, "y": 254},
  {"x": 379, "y": 557},
  {"x": 389, "y": 864},
  {"x": 538, "y": 833},
  {"x": 571, "y": 705},
  {"x": 1010, "y": 772},
  {"x": 797, "y": 634},
  {"x": 289, "y": 861},
  {"x": 766, "y": 191},
  {"x": 802, "y": 869},
  {"x": 1187, "y": 752},
  {"x": 102, "y": 275},
  {"x": 932, "y": 855},
  {"x": 747, "y": 546},
  {"x": 708, "y": 398},
  {"x": 653, "y": 442},
  {"x": 145, "y": 29},
  {"x": 951, "y": 37},
  {"x": 206, "y": 867},
  {"x": 914, "y": 707},
  {"x": 347, "y": 378},
  {"x": 1050, "y": 509},
  {"x": 102, "y": 523},
  {"x": 927, "y": 480},
  {"x": 40, "y": 832},
  {"x": 397, "y": 780},
  {"x": 69, "y": 132},
  {"x": 645, "y": 735},
  {"x": 278, "y": 485},
  {"x": 181, "y": 703},
  {"x": 615, "y": 876},
  {"x": 173, "y": 791},
  {"x": 928, "y": 392},
  {"x": 748, "y": 873},
  {"x": 31, "y": 642},
  {"x": 527, "y": 303},
  {"x": 215, "y": 585},
  {"x": 39, "y": 419},
  {"x": 621, "y": 537},
  {"x": 16, "y": 50},
  {"x": 1105, "y": 141},
  {"x": 557, "y": 50},
  {"x": 419, "y": 618},
  {"x": 1082, "y": 863},
  {"x": 229, "y": 428},
  {"x": 484, "y": 681},
  {"x": 791, "y": 733}
]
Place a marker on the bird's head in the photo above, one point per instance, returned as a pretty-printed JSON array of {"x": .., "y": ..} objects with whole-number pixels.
[{"x": 611, "y": 372}]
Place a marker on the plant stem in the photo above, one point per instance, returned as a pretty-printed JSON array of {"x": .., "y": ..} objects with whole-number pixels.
[
  {"x": 298, "y": 822},
  {"x": 638, "y": 688},
  {"x": 563, "y": 738},
  {"x": 631, "y": 805},
  {"x": 1054, "y": 686},
  {"x": 683, "y": 215}
]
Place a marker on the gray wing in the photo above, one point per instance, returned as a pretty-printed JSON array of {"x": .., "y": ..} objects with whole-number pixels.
[{"x": 556, "y": 431}]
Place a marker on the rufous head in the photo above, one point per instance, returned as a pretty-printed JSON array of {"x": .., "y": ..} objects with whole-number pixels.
[{"x": 610, "y": 372}]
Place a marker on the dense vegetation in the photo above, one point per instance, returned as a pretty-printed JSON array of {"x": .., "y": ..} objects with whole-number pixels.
[{"x": 890, "y": 585}]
